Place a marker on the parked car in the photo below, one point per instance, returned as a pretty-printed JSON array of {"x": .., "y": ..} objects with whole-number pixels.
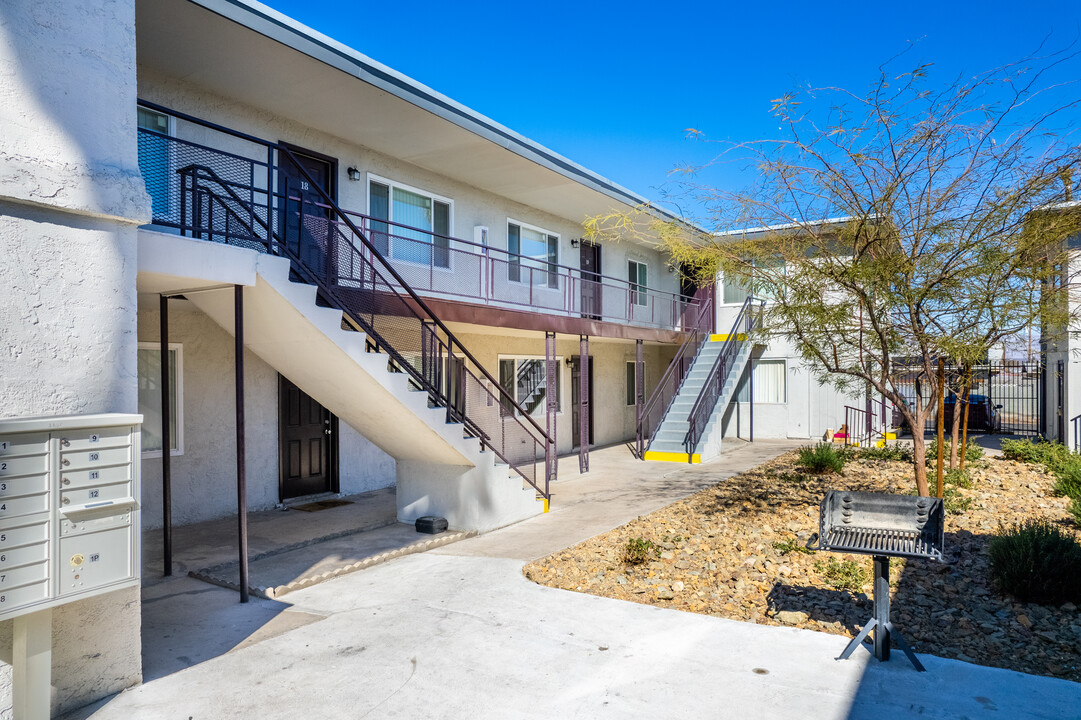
[{"x": 982, "y": 415}]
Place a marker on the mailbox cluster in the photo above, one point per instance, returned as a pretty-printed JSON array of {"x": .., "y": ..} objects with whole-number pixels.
[{"x": 69, "y": 509}]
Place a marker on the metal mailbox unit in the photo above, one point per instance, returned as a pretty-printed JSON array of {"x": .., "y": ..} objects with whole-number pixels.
[
  {"x": 69, "y": 529},
  {"x": 69, "y": 509}
]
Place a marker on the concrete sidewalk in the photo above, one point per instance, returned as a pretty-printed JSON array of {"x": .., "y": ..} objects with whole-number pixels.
[{"x": 459, "y": 632}]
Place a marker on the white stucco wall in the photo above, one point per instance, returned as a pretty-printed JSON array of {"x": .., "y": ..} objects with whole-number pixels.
[
  {"x": 70, "y": 198},
  {"x": 204, "y": 476}
]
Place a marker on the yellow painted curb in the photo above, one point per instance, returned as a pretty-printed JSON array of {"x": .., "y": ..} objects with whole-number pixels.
[
  {"x": 546, "y": 501},
  {"x": 672, "y": 457},
  {"x": 891, "y": 436},
  {"x": 880, "y": 444}
]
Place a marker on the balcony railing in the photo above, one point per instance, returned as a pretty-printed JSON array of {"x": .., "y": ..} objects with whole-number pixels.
[{"x": 455, "y": 269}]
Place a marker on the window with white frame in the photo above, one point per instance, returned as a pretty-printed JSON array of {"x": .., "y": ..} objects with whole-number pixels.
[
  {"x": 154, "y": 162},
  {"x": 735, "y": 291},
  {"x": 526, "y": 380},
  {"x": 769, "y": 383},
  {"x": 637, "y": 276},
  {"x": 149, "y": 372},
  {"x": 534, "y": 255},
  {"x": 421, "y": 232}
]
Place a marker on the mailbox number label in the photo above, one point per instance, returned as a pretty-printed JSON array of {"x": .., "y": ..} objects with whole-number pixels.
[
  {"x": 93, "y": 474},
  {"x": 95, "y": 557},
  {"x": 93, "y": 438},
  {"x": 3, "y": 445},
  {"x": 3, "y": 486},
  {"x": 94, "y": 457},
  {"x": 3, "y": 466},
  {"x": 93, "y": 493}
]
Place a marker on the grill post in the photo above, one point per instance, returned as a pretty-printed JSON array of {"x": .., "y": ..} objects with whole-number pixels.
[{"x": 882, "y": 607}]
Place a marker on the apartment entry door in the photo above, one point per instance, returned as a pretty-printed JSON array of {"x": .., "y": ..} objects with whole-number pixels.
[
  {"x": 576, "y": 401},
  {"x": 307, "y": 444},
  {"x": 590, "y": 263},
  {"x": 304, "y": 225}
]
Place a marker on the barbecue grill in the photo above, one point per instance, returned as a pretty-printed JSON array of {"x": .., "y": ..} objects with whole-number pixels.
[{"x": 882, "y": 526}]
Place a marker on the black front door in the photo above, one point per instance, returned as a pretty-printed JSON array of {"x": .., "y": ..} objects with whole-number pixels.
[
  {"x": 576, "y": 401},
  {"x": 304, "y": 222},
  {"x": 590, "y": 263},
  {"x": 307, "y": 441}
]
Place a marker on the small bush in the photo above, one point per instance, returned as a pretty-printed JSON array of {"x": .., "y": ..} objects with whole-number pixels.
[
  {"x": 639, "y": 551},
  {"x": 791, "y": 545},
  {"x": 842, "y": 574},
  {"x": 821, "y": 459},
  {"x": 1068, "y": 483},
  {"x": 1075, "y": 511},
  {"x": 958, "y": 478},
  {"x": 899, "y": 453},
  {"x": 1051, "y": 455},
  {"x": 1036, "y": 561},
  {"x": 973, "y": 452},
  {"x": 954, "y": 502}
]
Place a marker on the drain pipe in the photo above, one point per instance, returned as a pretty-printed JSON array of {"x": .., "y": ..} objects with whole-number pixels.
[{"x": 241, "y": 471}]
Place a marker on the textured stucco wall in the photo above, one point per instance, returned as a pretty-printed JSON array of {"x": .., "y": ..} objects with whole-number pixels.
[
  {"x": 204, "y": 476},
  {"x": 70, "y": 199},
  {"x": 471, "y": 206}
]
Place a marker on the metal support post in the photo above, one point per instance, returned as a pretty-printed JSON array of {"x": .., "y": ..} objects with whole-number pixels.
[
  {"x": 750, "y": 396},
  {"x": 551, "y": 463},
  {"x": 166, "y": 443},
  {"x": 880, "y": 623},
  {"x": 32, "y": 651},
  {"x": 583, "y": 403},
  {"x": 241, "y": 476},
  {"x": 639, "y": 391}
]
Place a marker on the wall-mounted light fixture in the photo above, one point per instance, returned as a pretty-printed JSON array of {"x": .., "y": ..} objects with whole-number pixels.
[
  {"x": 670, "y": 267},
  {"x": 353, "y": 173},
  {"x": 575, "y": 242}
]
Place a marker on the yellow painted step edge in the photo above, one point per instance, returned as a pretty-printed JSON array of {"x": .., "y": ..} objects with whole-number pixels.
[
  {"x": 721, "y": 337},
  {"x": 672, "y": 457}
]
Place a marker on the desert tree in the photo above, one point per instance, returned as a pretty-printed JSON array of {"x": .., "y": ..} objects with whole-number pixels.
[{"x": 895, "y": 227}]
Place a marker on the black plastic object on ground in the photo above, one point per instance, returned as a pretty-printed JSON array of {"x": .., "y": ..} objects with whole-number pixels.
[{"x": 431, "y": 524}]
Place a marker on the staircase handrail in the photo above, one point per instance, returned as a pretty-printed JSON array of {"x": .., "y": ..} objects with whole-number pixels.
[
  {"x": 704, "y": 404},
  {"x": 508, "y": 401},
  {"x": 705, "y": 312}
]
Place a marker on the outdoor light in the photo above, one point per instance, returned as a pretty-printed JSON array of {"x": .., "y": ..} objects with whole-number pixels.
[
  {"x": 574, "y": 242},
  {"x": 670, "y": 267},
  {"x": 353, "y": 173}
]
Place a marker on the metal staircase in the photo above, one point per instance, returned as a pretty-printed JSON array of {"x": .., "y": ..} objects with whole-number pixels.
[
  {"x": 690, "y": 429},
  {"x": 224, "y": 197}
]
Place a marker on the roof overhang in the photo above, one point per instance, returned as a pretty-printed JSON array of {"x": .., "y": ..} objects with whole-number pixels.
[{"x": 256, "y": 56}]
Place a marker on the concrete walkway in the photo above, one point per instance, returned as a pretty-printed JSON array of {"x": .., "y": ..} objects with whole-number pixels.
[{"x": 459, "y": 632}]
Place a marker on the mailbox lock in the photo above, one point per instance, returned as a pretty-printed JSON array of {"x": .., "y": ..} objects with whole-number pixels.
[
  {"x": 66, "y": 481},
  {"x": 64, "y": 442},
  {"x": 65, "y": 501},
  {"x": 77, "y": 560},
  {"x": 65, "y": 462}
]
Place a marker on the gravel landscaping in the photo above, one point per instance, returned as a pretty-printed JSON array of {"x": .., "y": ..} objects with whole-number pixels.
[{"x": 735, "y": 550}]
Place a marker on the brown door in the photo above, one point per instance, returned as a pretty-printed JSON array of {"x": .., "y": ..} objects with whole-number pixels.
[
  {"x": 304, "y": 222},
  {"x": 590, "y": 263},
  {"x": 576, "y": 402},
  {"x": 308, "y": 447}
]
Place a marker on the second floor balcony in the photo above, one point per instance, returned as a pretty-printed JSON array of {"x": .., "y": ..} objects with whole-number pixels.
[{"x": 241, "y": 196}]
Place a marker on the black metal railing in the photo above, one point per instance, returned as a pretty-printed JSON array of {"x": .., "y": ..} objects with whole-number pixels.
[
  {"x": 747, "y": 321},
  {"x": 230, "y": 198},
  {"x": 858, "y": 426},
  {"x": 699, "y": 326}
]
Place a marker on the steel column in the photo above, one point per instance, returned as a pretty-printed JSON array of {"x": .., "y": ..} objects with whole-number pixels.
[
  {"x": 166, "y": 445},
  {"x": 583, "y": 403},
  {"x": 639, "y": 393},
  {"x": 241, "y": 471},
  {"x": 750, "y": 396},
  {"x": 551, "y": 463}
]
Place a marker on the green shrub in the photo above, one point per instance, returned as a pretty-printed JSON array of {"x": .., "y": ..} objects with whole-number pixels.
[
  {"x": 1036, "y": 561},
  {"x": 791, "y": 545},
  {"x": 899, "y": 453},
  {"x": 973, "y": 452},
  {"x": 958, "y": 478},
  {"x": 954, "y": 502},
  {"x": 842, "y": 574},
  {"x": 1051, "y": 455},
  {"x": 1068, "y": 483},
  {"x": 1075, "y": 510},
  {"x": 821, "y": 459},
  {"x": 639, "y": 551}
]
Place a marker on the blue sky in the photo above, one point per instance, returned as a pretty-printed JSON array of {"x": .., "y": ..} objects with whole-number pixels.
[{"x": 613, "y": 86}]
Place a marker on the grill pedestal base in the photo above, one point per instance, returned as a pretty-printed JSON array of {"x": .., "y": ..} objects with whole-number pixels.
[{"x": 880, "y": 622}]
